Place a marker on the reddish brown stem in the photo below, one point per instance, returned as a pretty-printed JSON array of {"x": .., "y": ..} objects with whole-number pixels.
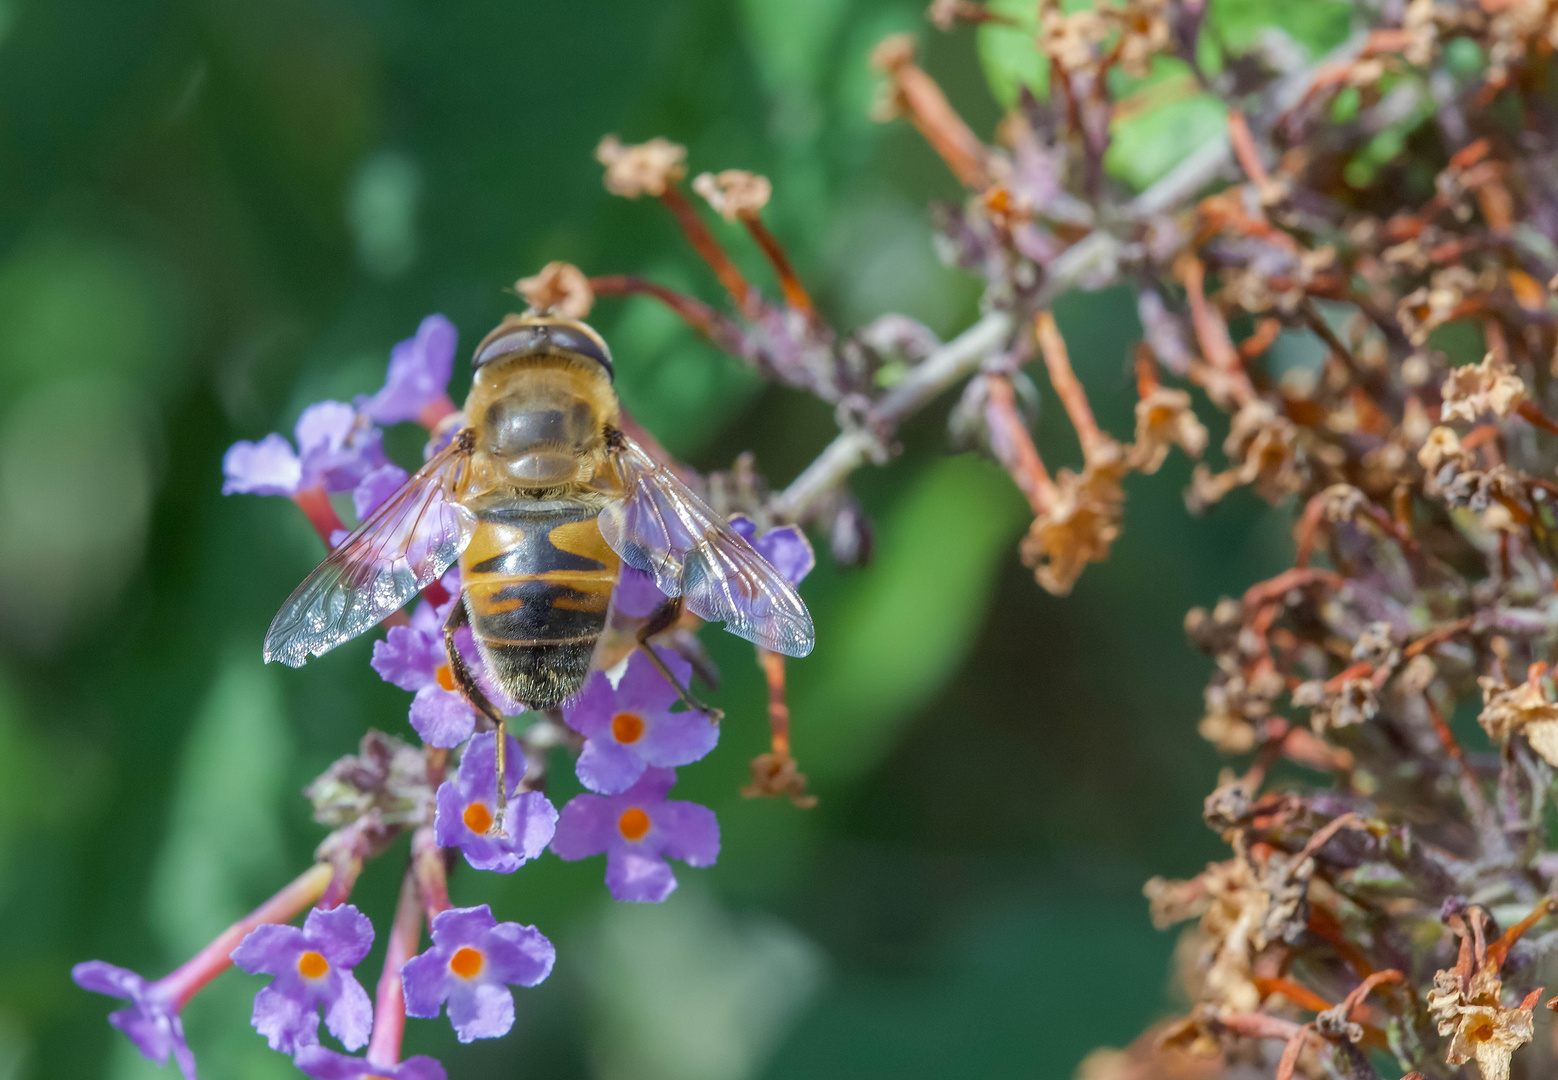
[
  {"x": 389, "y": 1004},
  {"x": 190, "y": 977},
  {"x": 1212, "y": 331},
  {"x": 1535, "y": 416},
  {"x": 707, "y": 247},
  {"x": 315, "y": 503},
  {"x": 778, "y": 705},
  {"x": 432, "y": 876},
  {"x": 795, "y": 293},
  {"x": 1013, "y": 446},
  {"x": 916, "y": 94},
  {"x": 1067, "y": 386},
  {"x": 1499, "y": 950}
]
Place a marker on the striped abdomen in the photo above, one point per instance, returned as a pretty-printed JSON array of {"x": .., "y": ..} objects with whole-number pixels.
[{"x": 537, "y": 580}]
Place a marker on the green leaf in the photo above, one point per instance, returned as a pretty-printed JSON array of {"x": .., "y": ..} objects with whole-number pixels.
[
  {"x": 1009, "y": 55},
  {"x": 1144, "y": 148}
]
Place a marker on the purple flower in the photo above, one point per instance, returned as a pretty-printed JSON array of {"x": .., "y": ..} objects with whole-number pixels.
[
  {"x": 636, "y": 594},
  {"x": 631, "y": 726},
  {"x": 324, "y": 1064},
  {"x": 313, "y": 967},
  {"x": 470, "y": 965},
  {"x": 637, "y": 830},
  {"x": 336, "y": 448},
  {"x": 785, "y": 547},
  {"x": 377, "y": 486},
  {"x": 466, "y": 805},
  {"x": 152, "y": 1020},
  {"x": 413, "y": 658},
  {"x": 418, "y": 375}
]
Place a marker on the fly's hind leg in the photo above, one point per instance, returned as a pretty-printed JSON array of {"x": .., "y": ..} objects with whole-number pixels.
[
  {"x": 663, "y": 618},
  {"x": 473, "y": 693}
]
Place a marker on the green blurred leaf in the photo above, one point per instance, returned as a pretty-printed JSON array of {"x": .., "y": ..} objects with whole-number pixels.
[
  {"x": 904, "y": 627},
  {"x": 1008, "y": 54},
  {"x": 1145, "y": 147},
  {"x": 1318, "y": 25}
]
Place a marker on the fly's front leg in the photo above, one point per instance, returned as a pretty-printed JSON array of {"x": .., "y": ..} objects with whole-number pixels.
[
  {"x": 665, "y": 617},
  {"x": 473, "y": 693}
]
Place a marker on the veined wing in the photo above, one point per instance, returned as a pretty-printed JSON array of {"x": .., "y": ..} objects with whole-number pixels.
[
  {"x": 661, "y": 527},
  {"x": 403, "y": 546}
]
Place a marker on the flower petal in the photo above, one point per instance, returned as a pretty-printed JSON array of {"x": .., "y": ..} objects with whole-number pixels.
[
  {"x": 287, "y": 1022},
  {"x": 408, "y": 658},
  {"x": 377, "y": 486},
  {"x": 343, "y": 934},
  {"x": 520, "y": 955},
  {"x": 607, "y": 766},
  {"x": 441, "y": 717},
  {"x": 425, "y": 982},
  {"x": 688, "y": 832},
  {"x": 268, "y": 467},
  {"x": 418, "y": 374},
  {"x": 586, "y": 826},
  {"x": 482, "y": 1011},
  {"x": 638, "y": 876},
  {"x": 101, "y": 977},
  {"x": 350, "y": 1016},
  {"x": 678, "y": 738},
  {"x": 269, "y": 949}
]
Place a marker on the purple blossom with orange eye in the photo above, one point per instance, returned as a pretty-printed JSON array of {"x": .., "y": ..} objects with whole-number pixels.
[
  {"x": 638, "y": 830},
  {"x": 467, "y": 803},
  {"x": 336, "y": 448},
  {"x": 323, "y": 1064},
  {"x": 151, "y": 1022},
  {"x": 312, "y": 966},
  {"x": 785, "y": 547},
  {"x": 416, "y": 385},
  {"x": 473, "y": 961},
  {"x": 630, "y": 726}
]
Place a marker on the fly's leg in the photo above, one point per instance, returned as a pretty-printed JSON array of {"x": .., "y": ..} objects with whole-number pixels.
[
  {"x": 665, "y": 617},
  {"x": 473, "y": 693}
]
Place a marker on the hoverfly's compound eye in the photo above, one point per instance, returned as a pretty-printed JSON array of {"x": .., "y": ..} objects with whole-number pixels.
[{"x": 525, "y": 337}]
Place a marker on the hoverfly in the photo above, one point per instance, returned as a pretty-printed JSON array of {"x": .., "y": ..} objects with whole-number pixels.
[{"x": 541, "y": 498}]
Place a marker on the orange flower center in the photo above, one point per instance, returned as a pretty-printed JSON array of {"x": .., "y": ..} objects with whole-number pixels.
[
  {"x": 633, "y": 823},
  {"x": 466, "y": 963},
  {"x": 1482, "y": 1032},
  {"x": 445, "y": 676},
  {"x": 311, "y": 965},
  {"x": 477, "y": 817},
  {"x": 627, "y": 727}
]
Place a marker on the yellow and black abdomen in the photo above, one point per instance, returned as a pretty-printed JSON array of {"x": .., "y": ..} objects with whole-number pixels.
[{"x": 537, "y": 580}]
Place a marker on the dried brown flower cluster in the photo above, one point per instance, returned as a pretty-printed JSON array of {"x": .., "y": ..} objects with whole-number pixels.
[{"x": 1358, "y": 920}]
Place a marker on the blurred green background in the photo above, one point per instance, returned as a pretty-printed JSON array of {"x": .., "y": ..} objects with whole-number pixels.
[{"x": 213, "y": 212}]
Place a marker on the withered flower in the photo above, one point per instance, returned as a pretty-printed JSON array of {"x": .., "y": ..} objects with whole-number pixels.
[
  {"x": 1233, "y": 907},
  {"x": 1071, "y": 39},
  {"x": 1525, "y": 708},
  {"x": 776, "y": 774},
  {"x": 734, "y": 193},
  {"x": 560, "y": 288},
  {"x": 1474, "y": 389},
  {"x": 1081, "y": 521},
  {"x": 1164, "y": 418},
  {"x": 642, "y": 169},
  {"x": 1265, "y": 444},
  {"x": 1483, "y": 1030}
]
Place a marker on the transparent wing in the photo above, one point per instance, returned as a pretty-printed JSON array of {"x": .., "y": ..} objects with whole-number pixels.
[
  {"x": 661, "y": 527},
  {"x": 403, "y": 546}
]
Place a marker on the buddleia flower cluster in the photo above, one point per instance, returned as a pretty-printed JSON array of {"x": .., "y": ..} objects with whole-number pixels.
[{"x": 440, "y": 788}]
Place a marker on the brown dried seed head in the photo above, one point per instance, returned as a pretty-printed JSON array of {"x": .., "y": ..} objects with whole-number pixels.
[
  {"x": 893, "y": 52},
  {"x": 1164, "y": 418},
  {"x": 560, "y": 288},
  {"x": 734, "y": 193},
  {"x": 642, "y": 169},
  {"x": 1491, "y": 386}
]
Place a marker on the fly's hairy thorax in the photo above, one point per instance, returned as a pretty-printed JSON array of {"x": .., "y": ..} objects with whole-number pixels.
[{"x": 537, "y": 580}]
